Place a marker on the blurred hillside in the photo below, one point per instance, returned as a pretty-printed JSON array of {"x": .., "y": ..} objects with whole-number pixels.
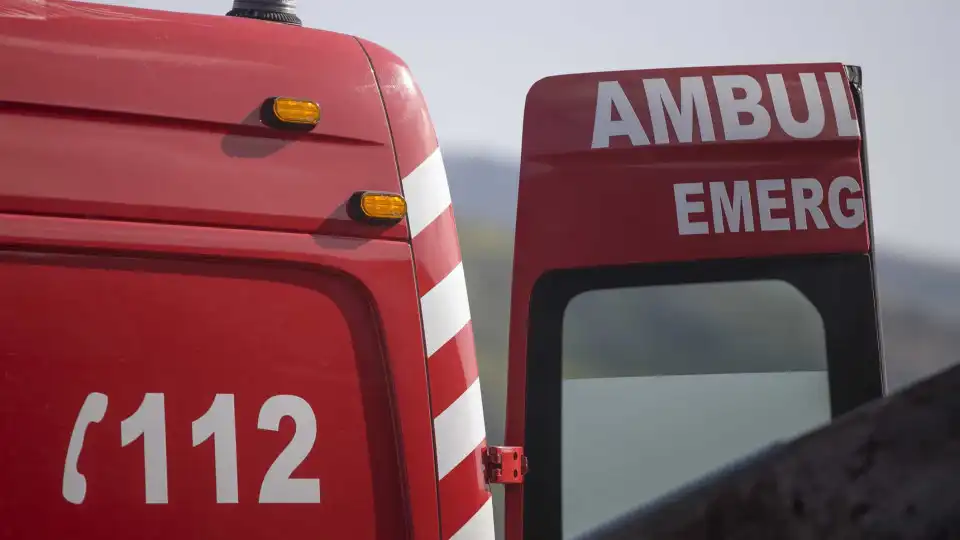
[{"x": 920, "y": 300}]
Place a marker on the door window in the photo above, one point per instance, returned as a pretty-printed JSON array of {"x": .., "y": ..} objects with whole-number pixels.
[{"x": 663, "y": 384}]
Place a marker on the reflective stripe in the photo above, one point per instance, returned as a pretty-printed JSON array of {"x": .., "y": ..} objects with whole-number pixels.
[
  {"x": 426, "y": 192},
  {"x": 459, "y": 429},
  {"x": 445, "y": 309},
  {"x": 480, "y": 526}
]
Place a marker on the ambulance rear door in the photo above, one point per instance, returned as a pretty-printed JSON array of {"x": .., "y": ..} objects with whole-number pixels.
[{"x": 693, "y": 280}]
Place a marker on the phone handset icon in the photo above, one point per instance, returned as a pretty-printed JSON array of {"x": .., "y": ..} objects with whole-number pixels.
[{"x": 92, "y": 412}]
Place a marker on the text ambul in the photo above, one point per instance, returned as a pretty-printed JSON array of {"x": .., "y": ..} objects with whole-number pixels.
[
  {"x": 762, "y": 205},
  {"x": 739, "y": 101}
]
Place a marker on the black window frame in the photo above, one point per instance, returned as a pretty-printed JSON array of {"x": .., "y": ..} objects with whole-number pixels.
[{"x": 840, "y": 286}]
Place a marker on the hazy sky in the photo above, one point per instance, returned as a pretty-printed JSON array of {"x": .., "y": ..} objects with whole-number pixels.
[{"x": 476, "y": 60}]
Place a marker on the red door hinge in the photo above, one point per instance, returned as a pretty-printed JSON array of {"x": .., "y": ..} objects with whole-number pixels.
[{"x": 504, "y": 464}]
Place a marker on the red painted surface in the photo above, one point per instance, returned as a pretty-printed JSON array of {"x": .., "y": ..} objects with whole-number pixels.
[
  {"x": 158, "y": 113},
  {"x": 580, "y": 206},
  {"x": 268, "y": 313}
]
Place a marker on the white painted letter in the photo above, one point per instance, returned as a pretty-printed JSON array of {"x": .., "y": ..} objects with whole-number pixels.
[
  {"x": 765, "y": 204},
  {"x": 693, "y": 99},
  {"x": 803, "y": 205},
  {"x": 847, "y": 125},
  {"x": 731, "y": 107},
  {"x": 685, "y": 207},
  {"x": 610, "y": 95},
  {"x": 733, "y": 210},
  {"x": 781, "y": 106},
  {"x": 854, "y": 204}
]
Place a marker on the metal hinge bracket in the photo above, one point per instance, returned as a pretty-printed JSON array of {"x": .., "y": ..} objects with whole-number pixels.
[{"x": 504, "y": 464}]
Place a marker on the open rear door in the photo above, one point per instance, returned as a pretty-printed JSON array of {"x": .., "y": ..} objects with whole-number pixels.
[{"x": 693, "y": 280}]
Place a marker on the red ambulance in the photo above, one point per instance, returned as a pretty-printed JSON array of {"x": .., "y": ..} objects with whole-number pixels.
[{"x": 233, "y": 298}]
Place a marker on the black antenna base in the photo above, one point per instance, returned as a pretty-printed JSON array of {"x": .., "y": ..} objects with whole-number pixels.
[
  {"x": 280, "y": 11},
  {"x": 273, "y": 16}
]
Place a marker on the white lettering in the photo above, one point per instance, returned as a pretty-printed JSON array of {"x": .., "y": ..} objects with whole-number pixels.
[
  {"x": 685, "y": 207},
  {"x": 766, "y": 204},
  {"x": 847, "y": 125},
  {"x": 684, "y": 106},
  {"x": 731, "y": 209},
  {"x": 609, "y": 96},
  {"x": 803, "y": 205},
  {"x": 693, "y": 101},
  {"x": 149, "y": 422},
  {"x": 731, "y": 107},
  {"x": 277, "y": 485},
  {"x": 854, "y": 204},
  {"x": 781, "y": 106},
  {"x": 219, "y": 422}
]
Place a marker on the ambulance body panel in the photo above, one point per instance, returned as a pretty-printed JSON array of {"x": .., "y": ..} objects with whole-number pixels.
[{"x": 200, "y": 338}]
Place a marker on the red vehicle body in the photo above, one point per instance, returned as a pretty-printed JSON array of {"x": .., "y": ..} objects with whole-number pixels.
[
  {"x": 200, "y": 340},
  {"x": 160, "y": 240}
]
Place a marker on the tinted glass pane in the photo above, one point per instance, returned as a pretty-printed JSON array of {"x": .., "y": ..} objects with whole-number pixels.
[{"x": 663, "y": 384}]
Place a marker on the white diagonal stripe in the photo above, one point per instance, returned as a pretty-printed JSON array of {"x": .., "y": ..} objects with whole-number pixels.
[
  {"x": 459, "y": 429},
  {"x": 480, "y": 526},
  {"x": 445, "y": 310},
  {"x": 426, "y": 192}
]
